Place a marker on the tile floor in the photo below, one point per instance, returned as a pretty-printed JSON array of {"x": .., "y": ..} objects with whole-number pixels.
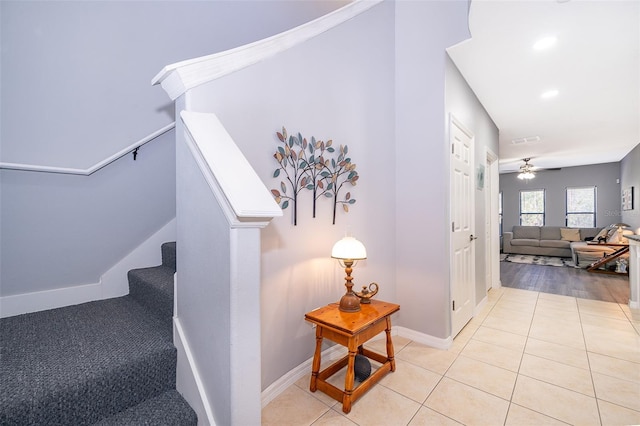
[{"x": 528, "y": 358}]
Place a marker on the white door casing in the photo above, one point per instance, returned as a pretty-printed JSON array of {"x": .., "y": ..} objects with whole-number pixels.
[
  {"x": 492, "y": 222},
  {"x": 462, "y": 286}
]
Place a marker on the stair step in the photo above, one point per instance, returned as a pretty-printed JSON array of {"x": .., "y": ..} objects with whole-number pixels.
[
  {"x": 79, "y": 364},
  {"x": 166, "y": 409},
  {"x": 169, "y": 255},
  {"x": 153, "y": 289}
]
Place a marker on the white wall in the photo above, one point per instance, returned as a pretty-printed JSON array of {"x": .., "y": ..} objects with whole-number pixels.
[
  {"x": 75, "y": 89},
  {"x": 337, "y": 86},
  {"x": 423, "y": 31},
  {"x": 465, "y": 106}
]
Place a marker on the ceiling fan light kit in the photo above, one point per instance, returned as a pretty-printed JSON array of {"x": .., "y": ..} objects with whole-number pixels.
[{"x": 526, "y": 170}]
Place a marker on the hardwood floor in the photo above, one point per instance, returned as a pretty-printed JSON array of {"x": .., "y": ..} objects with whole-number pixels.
[{"x": 566, "y": 281}]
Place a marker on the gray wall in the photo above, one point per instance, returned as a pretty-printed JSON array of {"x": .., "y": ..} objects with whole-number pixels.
[
  {"x": 630, "y": 176},
  {"x": 336, "y": 86},
  {"x": 465, "y": 106},
  {"x": 423, "y": 31},
  {"x": 555, "y": 182},
  {"x": 76, "y": 89}
]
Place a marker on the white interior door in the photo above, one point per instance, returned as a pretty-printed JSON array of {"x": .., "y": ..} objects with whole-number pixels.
[{"x": 462, "y": 226}]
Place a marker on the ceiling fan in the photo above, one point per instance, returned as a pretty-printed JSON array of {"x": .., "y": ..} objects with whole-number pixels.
[{"x": 526, "y": 170}]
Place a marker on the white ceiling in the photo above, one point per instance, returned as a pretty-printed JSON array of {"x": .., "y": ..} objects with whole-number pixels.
[{"x": 594, "y": 65}]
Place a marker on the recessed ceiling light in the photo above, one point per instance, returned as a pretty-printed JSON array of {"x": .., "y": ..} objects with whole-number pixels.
[
  {"x": 549, "y": 94},
  {"x": 545, "y": 43}
]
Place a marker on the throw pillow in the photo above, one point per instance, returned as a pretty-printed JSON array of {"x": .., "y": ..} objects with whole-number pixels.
[{"x": 570, "y": 234}]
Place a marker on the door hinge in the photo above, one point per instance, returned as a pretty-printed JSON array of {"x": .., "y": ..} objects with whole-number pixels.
[
  {"x": 453, "y": 226},
  {"x": 454, "y": 305},
  {"x": 453, "y": 149}
]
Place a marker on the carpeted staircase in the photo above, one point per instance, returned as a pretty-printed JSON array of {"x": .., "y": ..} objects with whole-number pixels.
[{"x": 109, "y": 362}]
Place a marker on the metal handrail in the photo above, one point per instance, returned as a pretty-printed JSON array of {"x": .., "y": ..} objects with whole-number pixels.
[{"x": 86, "y": 172}]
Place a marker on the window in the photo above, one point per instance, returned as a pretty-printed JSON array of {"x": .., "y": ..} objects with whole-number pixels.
[
  {"x": 532, "y": 207},
  {"x": 581, "y": 207}
]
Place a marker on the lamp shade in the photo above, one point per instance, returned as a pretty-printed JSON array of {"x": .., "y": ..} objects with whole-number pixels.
[
  {"x": 619, "y": 225},
  {"x": 349, "y": 248}
]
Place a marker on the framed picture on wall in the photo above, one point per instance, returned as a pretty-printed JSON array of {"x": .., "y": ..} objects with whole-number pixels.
[
  {"x": 480, "y": 176},
  {"x": 627, "y": 198}
]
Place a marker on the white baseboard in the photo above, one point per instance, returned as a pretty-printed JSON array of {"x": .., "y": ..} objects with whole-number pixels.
[
  {"x": 425, "y": 339},
  {"x": 48, "y": 299},
  {"x": 480, "y": 305},
  {"x": 188, "y": 381},
  {"x": 113, "y": 283},
  {"x": 333, "y": 353},
  {"x": 337, "y": 351}
]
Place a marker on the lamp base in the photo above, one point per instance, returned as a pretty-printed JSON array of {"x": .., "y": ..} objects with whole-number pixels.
[{"x": 349, "y": 303}]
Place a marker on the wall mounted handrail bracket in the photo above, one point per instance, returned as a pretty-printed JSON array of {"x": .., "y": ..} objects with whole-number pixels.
[
  {"x": 239, "y": 190},
  {"x": 177, "y": 78}
]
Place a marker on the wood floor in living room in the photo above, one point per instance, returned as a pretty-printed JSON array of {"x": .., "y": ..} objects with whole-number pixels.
[{"x": 566, "y": 281}]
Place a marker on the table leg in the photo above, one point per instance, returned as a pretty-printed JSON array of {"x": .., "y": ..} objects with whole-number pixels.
[
  {"x": 390, "y": 353},
  {"x": 349, "y": 379},
  {"x": 315, "y": 368}
]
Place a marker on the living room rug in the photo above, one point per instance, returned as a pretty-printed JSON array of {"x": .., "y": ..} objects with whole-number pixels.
[{"x": 537, "y": 260}]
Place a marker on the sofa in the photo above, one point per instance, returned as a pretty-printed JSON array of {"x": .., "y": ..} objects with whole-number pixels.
[{"x": 546, "y": 240}]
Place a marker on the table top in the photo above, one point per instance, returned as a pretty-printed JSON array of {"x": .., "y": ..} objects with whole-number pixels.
[
  {"x": 595, "y": 243},
  {"x": 351, "y": 322}
]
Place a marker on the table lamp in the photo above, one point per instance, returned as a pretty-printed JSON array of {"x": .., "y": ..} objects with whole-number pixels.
[
  {"x": 347, "y": 251},
  {"x": 619, "y": 227}
]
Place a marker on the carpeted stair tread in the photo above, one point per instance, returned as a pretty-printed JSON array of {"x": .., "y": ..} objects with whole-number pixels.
[
  {"x": 166, "y": 409},
  {"x": 169, "y": 254},
  {"x": 153, "y": 288},
  {"x": 78, "y": 364}
]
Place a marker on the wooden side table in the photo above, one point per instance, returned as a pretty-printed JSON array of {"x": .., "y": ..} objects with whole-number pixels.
[{"x": 351, "y": 329}]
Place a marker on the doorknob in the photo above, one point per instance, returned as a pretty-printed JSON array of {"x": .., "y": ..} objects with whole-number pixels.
[{"x": 471, "y": 237}]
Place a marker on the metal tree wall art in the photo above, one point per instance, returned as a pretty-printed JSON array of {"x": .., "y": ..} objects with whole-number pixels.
[{"x": 312, "y": 166}]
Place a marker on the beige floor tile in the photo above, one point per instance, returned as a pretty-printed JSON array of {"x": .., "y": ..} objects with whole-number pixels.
[
  {"x": 563, "y": 375},
  {"x": 612, "y": 415},
  {"x": 333, "y": 418},
  {"x": 556, "y": 313},
  {"x": 556, "y": 352},
  {"x": 515, "y": 342},
  {"x": 557, "y": 302},
  {"x": 607, "y": 323},
  {"x": 617, "y": 391},
  {"x": 428, "y": 417},
  {"x": 380, "y": 344},
  {"x": 432, "y": 359},
  {"x": 619, "y": 368},
  {"x": 516, "y": 305},
  {"x": 520, "y": 416},
  {"x": 461, "y": 340},
  {"x": 554, "y": 401},
  {"x": 519, "y": 294},
  {"x": 382, "y": 406},
  {"x": 293, "y": 407},
  {"x": 598, "y": 307},
  {"x": 614, "y": 343},
  {"x": 561, "y": 332},
  {"x": 466, "y": 404},
  {"x": 492, "y": 354},
  {"x": 502, "y": 321},
  {"x": 495, "y": 380},
  {"x": 411, "y": 381},
  {"x": 303, "y": 384}
]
